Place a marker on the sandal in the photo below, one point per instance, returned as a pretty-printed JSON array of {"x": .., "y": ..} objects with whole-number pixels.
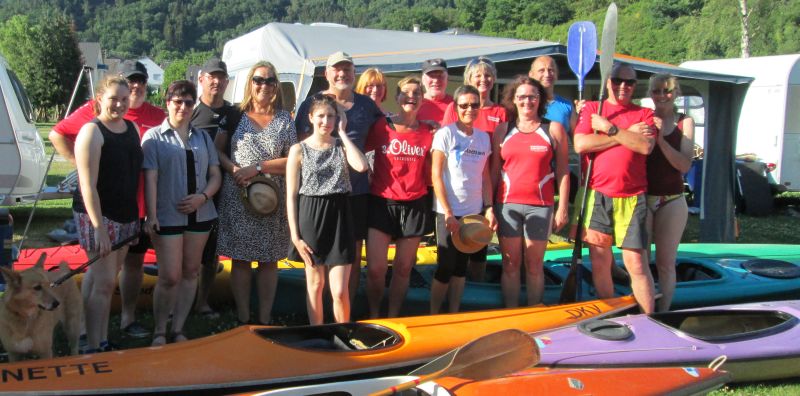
[{"x": 156, "y": 337}]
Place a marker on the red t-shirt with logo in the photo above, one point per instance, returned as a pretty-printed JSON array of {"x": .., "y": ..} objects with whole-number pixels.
[
  {"x": 527, "y": 176},
  {"x": 400, "y": 161},
  {"x": 433, "y": 109},
  {"x": 145, "y": 117},
  {"x": 617, "y": 171},
  {"x": 488, "y": 117}
]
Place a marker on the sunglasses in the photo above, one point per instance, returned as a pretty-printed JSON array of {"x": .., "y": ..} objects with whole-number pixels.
[
  {"x": 185, "y": 102},
  {"x": 473, "y": 106},
  {"x": 619, "y": 81},
  {"x": 661, "y": 91},
  {"x": 271, "y": 81}
]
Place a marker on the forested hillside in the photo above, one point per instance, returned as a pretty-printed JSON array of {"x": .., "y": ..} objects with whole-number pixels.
[{"x": 665, "y": 30}]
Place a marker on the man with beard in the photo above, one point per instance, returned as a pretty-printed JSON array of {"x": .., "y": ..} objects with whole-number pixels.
[
  {"x": 361, "y": 113},
  {"x": 145, "y": 116},
  {"x": 211, "y": 110},
  {"x": 616, "y": 204}
]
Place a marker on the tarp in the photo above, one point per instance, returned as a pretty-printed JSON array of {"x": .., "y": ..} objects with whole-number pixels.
[{"x": 299, "y": 53}]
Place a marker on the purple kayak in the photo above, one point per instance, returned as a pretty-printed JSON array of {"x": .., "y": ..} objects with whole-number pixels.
[{"x": 759, "y": 341}]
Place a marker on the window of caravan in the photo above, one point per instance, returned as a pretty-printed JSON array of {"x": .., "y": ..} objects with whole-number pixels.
[{"x": 22, "y": 97}]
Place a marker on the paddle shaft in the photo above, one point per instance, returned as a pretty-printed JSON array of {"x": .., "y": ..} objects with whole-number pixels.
[
  {"x": 575, "y": 276},
  {"x": 83, "y": 266}
]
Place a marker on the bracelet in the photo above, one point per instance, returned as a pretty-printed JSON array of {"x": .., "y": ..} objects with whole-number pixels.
[{"x": 205, "y": 195}]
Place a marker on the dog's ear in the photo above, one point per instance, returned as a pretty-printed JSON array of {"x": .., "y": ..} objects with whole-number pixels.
[
  {"x": 13, "y": 278},
  {"x": 40, "y": 261}
]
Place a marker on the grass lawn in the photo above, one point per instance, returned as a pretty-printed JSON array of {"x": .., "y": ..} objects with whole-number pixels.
[{"x": 780, "y": 227}]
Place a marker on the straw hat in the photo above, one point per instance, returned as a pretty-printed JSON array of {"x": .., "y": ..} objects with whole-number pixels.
[
  {"x": 261, "y": 196},
  {"x": 473, "y": 234}
]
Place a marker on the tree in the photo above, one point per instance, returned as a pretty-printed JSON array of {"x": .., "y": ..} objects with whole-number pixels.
[{"x": 46, "y": 57}]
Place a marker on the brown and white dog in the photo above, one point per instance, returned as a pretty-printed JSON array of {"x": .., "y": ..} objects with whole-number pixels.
[{"x": 30, "y": 310}]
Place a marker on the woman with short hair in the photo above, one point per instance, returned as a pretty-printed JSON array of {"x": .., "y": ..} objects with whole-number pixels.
[{"x": 372, "y": 83}]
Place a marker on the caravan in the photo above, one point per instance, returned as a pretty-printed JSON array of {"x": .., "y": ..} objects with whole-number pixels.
[
  {"x": 22, "y": 157},
  {"x": 769, "y": 123}
]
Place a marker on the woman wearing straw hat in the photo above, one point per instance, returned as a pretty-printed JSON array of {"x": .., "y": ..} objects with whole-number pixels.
[
  {"x": 528, "y": 162},
  {"x": 252, "y": 223},
  {"x": 181, "y": 175},
  {"x": 461, "y": 182}
]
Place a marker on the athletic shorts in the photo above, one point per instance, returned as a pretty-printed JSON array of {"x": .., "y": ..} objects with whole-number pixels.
[
  {"x": 450, "y": 261},
  {"x": 359, "y": 216},
  {"x": 616, "y": 221},
  {"x": 398, "y": 219},
  {"x": 516, "y": 220},
  {"x": 195, "y": 227},
  {"x": 116, "y": 231},
  {"x": 144, "y": 241}
]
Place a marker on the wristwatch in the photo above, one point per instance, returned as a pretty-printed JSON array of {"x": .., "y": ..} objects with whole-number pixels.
[
  {"x": 612, "y": 131},
  {"x": 258, "y": 168}
]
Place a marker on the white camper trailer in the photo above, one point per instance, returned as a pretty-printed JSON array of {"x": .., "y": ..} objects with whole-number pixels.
[
  {"x": 769, "y": 123},
  {"x": 22, "y": 157}
]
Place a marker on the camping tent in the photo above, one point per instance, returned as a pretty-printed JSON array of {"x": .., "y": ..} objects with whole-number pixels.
[{"x": 299, "y": 53}]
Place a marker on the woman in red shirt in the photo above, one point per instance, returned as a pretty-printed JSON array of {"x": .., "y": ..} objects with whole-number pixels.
[
  {"x": 528, "y": 162},
  {"x": 397, "y": 204}
]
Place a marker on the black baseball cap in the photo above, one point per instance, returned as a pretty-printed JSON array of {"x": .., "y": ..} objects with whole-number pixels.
[
  {"x": 131, "y": 68},
  {"x": 214, "y": 65},
  {"x": 434, "y": 64}
]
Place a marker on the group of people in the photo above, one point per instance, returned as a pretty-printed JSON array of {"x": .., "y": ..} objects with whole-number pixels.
[{"x": 252, "y": 183}]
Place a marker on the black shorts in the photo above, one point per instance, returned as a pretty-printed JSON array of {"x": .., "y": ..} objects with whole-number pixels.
[
  {"x": 359, "y": 215},
  {"x": 450, "y": 261},
  {"x": 398, "y": 219},
  {"x": 199, "y": 227},
  {"x": 144, "y": 241},
  {"x": 210, "y": 256}
]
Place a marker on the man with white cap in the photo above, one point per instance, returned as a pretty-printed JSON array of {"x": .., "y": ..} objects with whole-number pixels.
[
  {"x": 361, "y": 112},
  {"x": 145, "y": 116}
]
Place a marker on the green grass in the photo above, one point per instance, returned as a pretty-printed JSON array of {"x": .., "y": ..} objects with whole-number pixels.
[{"x": 780, "y": 227}]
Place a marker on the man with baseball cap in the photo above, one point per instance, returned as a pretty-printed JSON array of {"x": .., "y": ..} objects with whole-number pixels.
[
  {"x": 361, "y": 113},
  {"x": 145, "y": 116},
  {"x": 211, "y": 110},
  {"x": 436, "y": 99}
]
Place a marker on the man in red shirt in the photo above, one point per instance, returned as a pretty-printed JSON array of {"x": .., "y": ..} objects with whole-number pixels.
[
  {"x": 145, "y": 116},
  {"x": 436, "y": 99},
  {"x": 615, "y": 208}
]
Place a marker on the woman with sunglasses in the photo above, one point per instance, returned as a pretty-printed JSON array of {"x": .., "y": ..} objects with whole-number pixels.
[
  {"x": 528, "y": 163},
  {"x": 481, "y": 74},
  {"x": 398, "y": 208},
  {"x": 670, "y": 160},
  {"x": 181, "y": 173},
  {"x": 461, "y": 183},
  {"x": 257, "y": 145}
]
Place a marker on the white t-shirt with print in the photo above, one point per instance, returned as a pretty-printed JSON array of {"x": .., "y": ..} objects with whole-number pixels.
[{"x": 466, "y": 156}]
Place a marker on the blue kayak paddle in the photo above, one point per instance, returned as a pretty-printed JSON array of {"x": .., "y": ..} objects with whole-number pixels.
[{"x": 581, "y": 50}]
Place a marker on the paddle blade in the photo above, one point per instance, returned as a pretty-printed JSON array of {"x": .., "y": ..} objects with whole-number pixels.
[
  {"x": 608, "y": 45},
  {"x": 581, "y": 49}
]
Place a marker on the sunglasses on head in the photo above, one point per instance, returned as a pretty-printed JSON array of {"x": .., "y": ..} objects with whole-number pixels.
[
  {"x": 185, "y": 102},
  {"x": 473, "y": 106},
  {"x": 627, "y": 81},
  {"x": 661, "y": 91},
  {"x": 258, "y": 80}
]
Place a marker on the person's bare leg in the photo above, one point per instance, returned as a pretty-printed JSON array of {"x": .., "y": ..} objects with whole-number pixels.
[
  {"x": 405, "y": 256},
  {"x": 438, "y": 294},
  {"x": 377, "y": 249},
  {"x": 315, "y": 284},
  {"x": 241, "y": 279},
  {"x": 641, "y": 279},
  {"x": 130, "y": 284},
  {"x": 534, "y": 275},
  {"x": 355, "y": 272},
  {"x": 102, "y": 276},
  {"x": 511, "y": 248},
  {"x": 456, "y": 291},
  {"x": 169, "y": 250},
  {"x": 338, "y": 281},
  {"x": 669, "y": 223},
  {"x": 193, "y": 243},
  {"x": 602, "y": 260},
  {"x": 208, "y": 272},
  {"x": 267, "y": 281}
]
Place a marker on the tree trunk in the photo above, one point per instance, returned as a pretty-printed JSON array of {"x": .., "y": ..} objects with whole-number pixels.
[{"x": 745, "y": 28}]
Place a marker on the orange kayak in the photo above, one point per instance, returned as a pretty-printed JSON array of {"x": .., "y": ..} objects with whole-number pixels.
[
  {"x": 267, "y": 357},
  {"x": 612, "y": 382}
]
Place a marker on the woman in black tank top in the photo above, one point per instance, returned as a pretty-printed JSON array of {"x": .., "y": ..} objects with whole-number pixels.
[{"x": 109, "y": 160}]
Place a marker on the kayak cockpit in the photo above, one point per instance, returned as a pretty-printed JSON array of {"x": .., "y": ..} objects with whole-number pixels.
[
  {"x": 333, "y": 337},
  {"x": 726, "y": 326}
]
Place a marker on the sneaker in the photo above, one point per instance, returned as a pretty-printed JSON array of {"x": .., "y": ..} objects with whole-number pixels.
[
  {"x": 136, "y": 330},
  {"x": 83, "y": 344},
  {"x": 106, "y": 346}
]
